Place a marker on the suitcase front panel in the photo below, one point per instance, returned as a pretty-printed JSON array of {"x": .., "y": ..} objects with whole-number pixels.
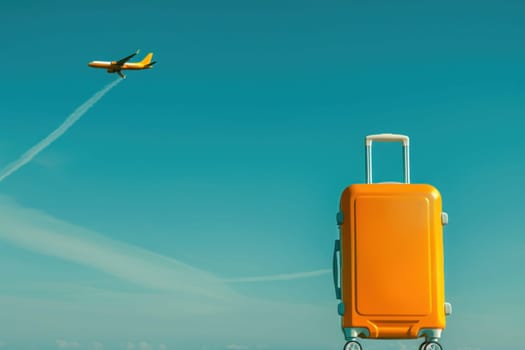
[{"x": 392, "y": 255}]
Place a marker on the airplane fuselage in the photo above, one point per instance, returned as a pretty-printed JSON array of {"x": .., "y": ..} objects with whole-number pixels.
[{"x": 115, "y": 67}]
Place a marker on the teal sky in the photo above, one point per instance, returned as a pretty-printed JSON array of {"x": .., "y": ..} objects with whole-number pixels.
[{"x": 227, "y": 160}]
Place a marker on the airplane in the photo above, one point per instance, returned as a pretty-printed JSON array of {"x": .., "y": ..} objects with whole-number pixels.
[{"x": 118, "y": 66}]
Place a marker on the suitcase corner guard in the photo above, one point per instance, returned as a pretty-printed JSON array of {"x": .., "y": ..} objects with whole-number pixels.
[{"x": 352, "y": 333}]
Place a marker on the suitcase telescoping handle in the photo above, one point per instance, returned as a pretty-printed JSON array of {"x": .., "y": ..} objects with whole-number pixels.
[{"x": 387, "y": 138}]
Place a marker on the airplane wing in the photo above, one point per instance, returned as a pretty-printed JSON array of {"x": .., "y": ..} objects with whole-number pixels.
[{"x": 125, "y": 59}]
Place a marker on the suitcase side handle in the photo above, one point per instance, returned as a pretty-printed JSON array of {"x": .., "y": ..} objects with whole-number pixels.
[
  {"x": 387, "y": 138},
  {"x": 335, "y": 269}
]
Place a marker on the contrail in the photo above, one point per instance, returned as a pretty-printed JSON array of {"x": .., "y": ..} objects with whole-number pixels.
[
  {"x": 43, "y": 144},
  {"x": 281, "y": 277}
]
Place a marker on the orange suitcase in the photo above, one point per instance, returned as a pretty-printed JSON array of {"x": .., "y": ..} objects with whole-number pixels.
[{"x": 388, "y": 261}]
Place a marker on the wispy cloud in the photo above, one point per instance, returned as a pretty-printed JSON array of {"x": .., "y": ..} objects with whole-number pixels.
[
  {"x": 49, "y": 139},
  {"x": 39, "y": 232},
  {"x": 281, "y": 277},
  {"x": 97, "y": 345},
  {"x": 67, "y": 344},
  {"x": 236, "y": 347},
  {"x": 144, "y": 346}
]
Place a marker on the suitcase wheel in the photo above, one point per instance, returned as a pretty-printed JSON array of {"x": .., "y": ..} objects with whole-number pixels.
[
  {"x": 354, "y": 345},
  {"x": 432, "y": 345}
]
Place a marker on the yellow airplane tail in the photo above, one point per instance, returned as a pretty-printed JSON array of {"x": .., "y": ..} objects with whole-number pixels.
[{"x": 146, "y": 61}]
